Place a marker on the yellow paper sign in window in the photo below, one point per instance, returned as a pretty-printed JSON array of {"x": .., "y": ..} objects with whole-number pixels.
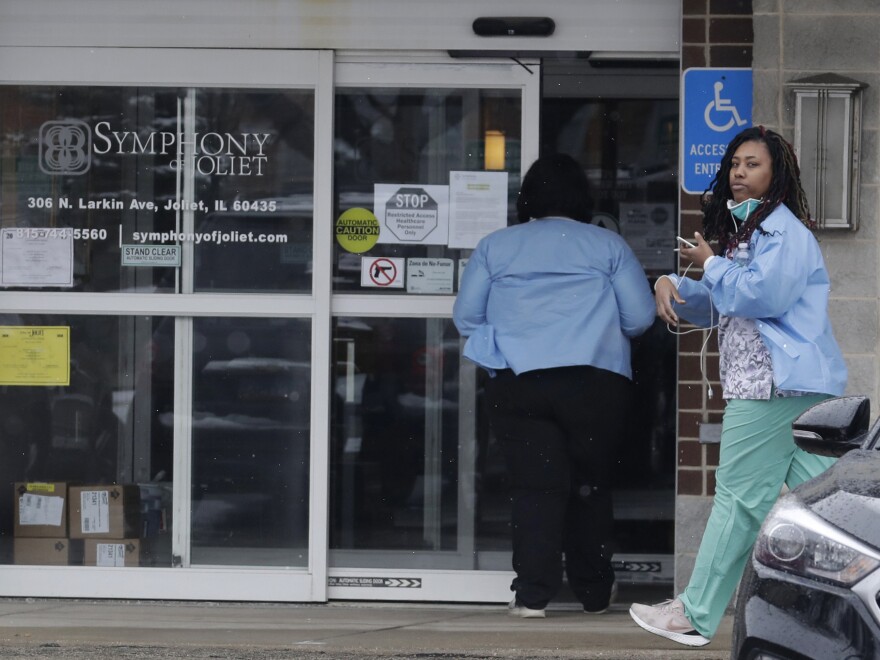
[{"x": 34, "y": 355}]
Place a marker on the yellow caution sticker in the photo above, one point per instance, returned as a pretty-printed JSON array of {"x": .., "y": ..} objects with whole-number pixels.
[
  {"x": 40, "y": 488},
  {"x": 357, "y": 230}
]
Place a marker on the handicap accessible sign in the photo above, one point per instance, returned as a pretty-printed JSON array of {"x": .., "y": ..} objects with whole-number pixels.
[{"x": 716, "y": 105}]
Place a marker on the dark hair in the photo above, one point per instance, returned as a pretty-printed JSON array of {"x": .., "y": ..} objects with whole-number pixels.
[
  {"x": 555, "y": 185},
  {"x": 785, "y": 188}
]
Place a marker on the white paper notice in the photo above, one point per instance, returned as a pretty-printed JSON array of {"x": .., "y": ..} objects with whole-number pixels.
[
  {"x": 36, "y": 257},
  {"x": 40, "y": 509},
  {"x": 95, "y": 508},
  {"x": 412, "y": 214},
  {"x": 650, "y": 231},
  {"x": 477, "y": 206},
  {"x": 110, "y": 554},
  {"x": 426, "y": 275}
]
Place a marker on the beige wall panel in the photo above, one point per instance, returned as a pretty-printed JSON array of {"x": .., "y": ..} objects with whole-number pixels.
[{"x": 602, "y": 25}]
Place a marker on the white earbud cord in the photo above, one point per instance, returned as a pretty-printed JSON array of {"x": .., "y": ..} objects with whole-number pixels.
[{"x": 712, "y": 326}]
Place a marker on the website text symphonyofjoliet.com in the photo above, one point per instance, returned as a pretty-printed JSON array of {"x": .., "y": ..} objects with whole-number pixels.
[{"x": 216, "y": 236}]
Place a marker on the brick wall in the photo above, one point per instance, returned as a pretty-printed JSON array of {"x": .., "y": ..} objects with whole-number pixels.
[
  {"x": 782, "y": 40},
  {"x": 715, "y": 33}
]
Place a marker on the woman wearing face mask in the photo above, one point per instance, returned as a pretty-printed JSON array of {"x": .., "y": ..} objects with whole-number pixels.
[{"x": 777, "y": 353}]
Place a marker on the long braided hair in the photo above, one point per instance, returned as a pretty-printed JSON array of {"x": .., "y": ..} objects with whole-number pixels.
[{"x": 785, "y": 188}]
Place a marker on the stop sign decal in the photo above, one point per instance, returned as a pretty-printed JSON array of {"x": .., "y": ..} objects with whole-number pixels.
[{"x": 411, "y": 214}]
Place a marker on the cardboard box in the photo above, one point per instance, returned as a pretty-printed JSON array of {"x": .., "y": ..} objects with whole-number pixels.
[
  {"x": 40, "y": 510},
  {"x": 112, "y": 552},
  {"x": 104, "y": 512},
  {"x": 46, "y": 552}
]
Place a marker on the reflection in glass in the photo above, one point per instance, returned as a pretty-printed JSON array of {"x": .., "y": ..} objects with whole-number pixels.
[
  {"x": 260, "y": 223},
  {"x": 629, "y": 150},
  {"x": 409, "y": 454},
  {"x": 808, "y": 158},
  {"x": 108, "y": 426},
  {"x": 228, "y": 173},
  {"x": 414, "y": 137},
  {"x": 396, "y": 470},
  {"x": 834, "y": 187},
  {"x": 251, "y": 421}
]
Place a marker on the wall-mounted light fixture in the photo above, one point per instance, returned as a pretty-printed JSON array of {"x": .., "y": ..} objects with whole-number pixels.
[
  {"x": 494, "y": 147},
  {"x": 827, "y": 140}
]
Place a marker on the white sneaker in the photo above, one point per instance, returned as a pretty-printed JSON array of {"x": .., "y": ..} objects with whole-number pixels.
[
  {"x": 524, "y": 612},
  {"x": 668, "y": 620}
]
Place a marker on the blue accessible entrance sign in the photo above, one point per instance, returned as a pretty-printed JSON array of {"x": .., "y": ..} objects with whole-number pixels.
[{"x": 716, "y": 105}]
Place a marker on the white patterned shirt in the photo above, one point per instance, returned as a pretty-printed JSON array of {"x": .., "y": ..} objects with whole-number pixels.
[{"x": 745, "y": 366}]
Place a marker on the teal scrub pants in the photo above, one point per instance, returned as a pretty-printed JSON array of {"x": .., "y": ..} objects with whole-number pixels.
[{"x": 758, "y": 455}]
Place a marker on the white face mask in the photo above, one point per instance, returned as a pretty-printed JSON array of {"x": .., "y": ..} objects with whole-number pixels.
[{"x": 742, "y": 210}]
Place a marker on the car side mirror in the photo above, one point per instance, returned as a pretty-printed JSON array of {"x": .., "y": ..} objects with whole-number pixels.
[{"x": 834, "y": 426}]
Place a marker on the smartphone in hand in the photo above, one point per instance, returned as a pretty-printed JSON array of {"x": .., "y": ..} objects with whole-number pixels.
[{"x": 684, "y": 242}]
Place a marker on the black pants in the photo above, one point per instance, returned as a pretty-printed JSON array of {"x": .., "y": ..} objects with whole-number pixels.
[{"x": 559, "y": 429}]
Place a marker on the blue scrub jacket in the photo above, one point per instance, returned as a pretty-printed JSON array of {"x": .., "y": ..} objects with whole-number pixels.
[
  {"x": 785, "y": 288},
  {"x": 550, "y": 293}
]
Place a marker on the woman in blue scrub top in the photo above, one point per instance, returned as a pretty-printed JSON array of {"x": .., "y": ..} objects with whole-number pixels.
[
  {"x": 548, "y": 307},
  {"x": 766, "y": 288}
]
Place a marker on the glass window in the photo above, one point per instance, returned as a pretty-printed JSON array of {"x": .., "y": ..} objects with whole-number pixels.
[
  {"x": 109, "y": 425},
  {"x": 395, "y": 443},
  {"x": 251, "y": 424},
  {"x": 112, "y": 425},
  {"x": 111, "y": 186},
  {"x": 406, "y": 462},
  {"x": 411, "y": 138},
  {"x": 629, "y": 150}
]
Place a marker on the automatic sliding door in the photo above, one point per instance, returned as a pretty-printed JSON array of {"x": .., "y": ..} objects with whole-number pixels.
[
  {"x": 433, "y": 168},
  {"x": 622, "y": 126},
  {"x": 395, "y": 448}
]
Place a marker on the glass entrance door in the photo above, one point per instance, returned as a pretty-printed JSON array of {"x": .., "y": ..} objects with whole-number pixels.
[
  {"x": 621, "y": 124},
  {"x": 165, "y": 296},
  {"x": 428, "y": 158}
]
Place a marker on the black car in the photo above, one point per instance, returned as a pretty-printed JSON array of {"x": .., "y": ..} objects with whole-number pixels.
[{"x": 812, "y": 587}]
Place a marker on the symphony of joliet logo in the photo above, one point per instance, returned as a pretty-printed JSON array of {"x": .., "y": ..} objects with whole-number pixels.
[{"x": 65, "y": 147}]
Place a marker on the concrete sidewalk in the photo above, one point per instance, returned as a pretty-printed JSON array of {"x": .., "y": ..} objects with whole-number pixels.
[{"x": 83, "y": 629}]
